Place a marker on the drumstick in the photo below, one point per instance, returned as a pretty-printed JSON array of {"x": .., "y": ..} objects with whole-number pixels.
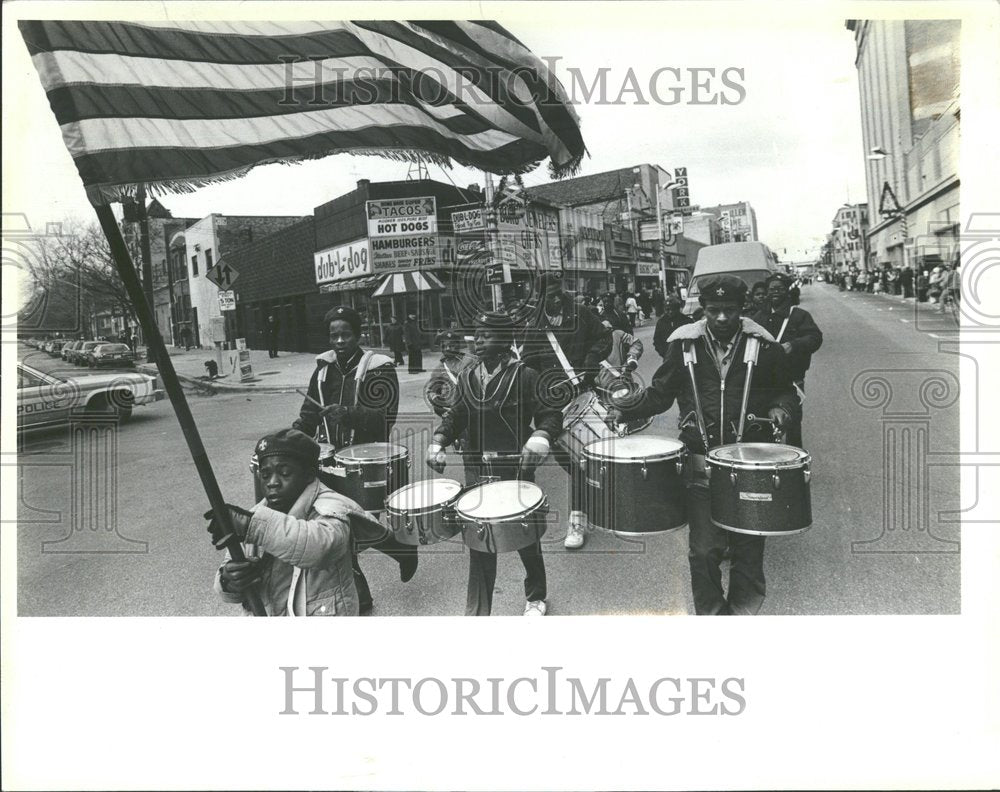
[
  {"x": 309, "y": 398},
  {"x": 750, "y": 358}
]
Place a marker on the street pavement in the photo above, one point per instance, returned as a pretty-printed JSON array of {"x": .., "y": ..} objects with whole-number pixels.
[{"x": 869, "y": 551}]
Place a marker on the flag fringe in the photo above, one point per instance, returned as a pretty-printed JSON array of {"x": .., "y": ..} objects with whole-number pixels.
[{"x": 100, "y": 194}]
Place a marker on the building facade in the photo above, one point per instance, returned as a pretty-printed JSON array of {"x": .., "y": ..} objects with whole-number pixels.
[
  {"x": 737, "y": 222},
  {"x": 848, "y": 237},
  {"x": 908, "y": 78}
]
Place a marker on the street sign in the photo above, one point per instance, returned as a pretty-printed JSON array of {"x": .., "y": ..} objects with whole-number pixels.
[
  {"x": 227, "y": 301},
  {"x": 649, "y": 231},
  {"x": 677, "y": 224},
  {"x": 222, "y": 275}
]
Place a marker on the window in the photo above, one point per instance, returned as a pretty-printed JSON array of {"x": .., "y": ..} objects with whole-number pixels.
[
  {"x": 25, "y": 379},
  {"x": 208, "y": 259},
  {"x": 194, "y": 265}
]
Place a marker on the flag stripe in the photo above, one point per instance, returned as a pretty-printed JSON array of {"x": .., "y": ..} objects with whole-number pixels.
[
  {"x": 79, "y": 102},
  {"x": 181, "y": 104},
  {"x": 107, "y": 134},
  {"x": 164, "y": 165}
]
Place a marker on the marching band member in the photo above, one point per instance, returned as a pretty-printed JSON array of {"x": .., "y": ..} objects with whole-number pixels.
[
  {"x": 565, "y": 344},
  {"x": 671, "y": 319},
  {"x": 709, "y": 355},
  {"x": 303, "y": 529},
  {"x": 442, "y": 386},
  {"x": 360, "y": 394},
  {"x": 795, "y": 330},
  {"x": 496, "y": 402}
]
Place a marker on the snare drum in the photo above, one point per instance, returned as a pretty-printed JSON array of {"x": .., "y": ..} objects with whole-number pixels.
[
  {"x": 367, "y": 473},
  {"x": 502, "y": 516},
  {"x": 760, "y": 488},
  {"x": 635, "y": 485},
  {"x": 421, "y": 513}
]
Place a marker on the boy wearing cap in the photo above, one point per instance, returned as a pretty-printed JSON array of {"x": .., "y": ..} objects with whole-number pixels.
[
  {"x": 359, "y": 392},
  {"x": 441, "y": 388},
  {"x": 297, "y": 539},
  {"x": 496, "y": 402},
  {"x": 796, "y": 332},
  {"x": 718, "y": 342},
  {"x": 671, "y": 319}
]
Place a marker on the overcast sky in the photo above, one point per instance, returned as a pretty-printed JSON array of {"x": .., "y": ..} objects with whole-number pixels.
[{"x": 792, "y": 147}]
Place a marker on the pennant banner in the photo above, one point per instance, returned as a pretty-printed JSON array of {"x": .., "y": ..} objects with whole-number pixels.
[{"x": 177, "y": 105}]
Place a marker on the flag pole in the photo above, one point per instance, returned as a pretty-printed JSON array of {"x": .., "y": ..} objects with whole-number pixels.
[{"x": 123, "y": 262}]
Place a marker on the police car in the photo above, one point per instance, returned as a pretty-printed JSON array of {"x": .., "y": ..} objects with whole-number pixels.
[{"x": 45, "y": 400}]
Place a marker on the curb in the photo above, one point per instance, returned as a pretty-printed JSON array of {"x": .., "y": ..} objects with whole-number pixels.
[{"x": 216, "y": 386}]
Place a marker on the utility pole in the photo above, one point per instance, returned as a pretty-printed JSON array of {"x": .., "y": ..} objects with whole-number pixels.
[
  {"x": 147, "y": 264},
  {"x": 491, "y": 240}
]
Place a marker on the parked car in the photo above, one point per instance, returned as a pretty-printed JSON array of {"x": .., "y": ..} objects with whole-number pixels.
[
  {"x": 749, "y": 261},
  {"x": 54, "y": 347},
  {"x": 110, "y": 355},
  {"x": 80, "y": 353},
  {"x": 45, "y": 400},
  {"x": 67, "y": 350}
]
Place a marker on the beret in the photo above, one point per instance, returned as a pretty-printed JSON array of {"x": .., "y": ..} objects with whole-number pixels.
[
  {"x": 289, "y": 442},
  {"x": 496, "y": 320},
  {"x": 724, "y": 288},
  {"x": 344, "y": 313},
  {"x": 450, "y": 335}
]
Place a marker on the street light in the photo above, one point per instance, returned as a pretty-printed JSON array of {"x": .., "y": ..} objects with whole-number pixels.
[{"x": 878, "y": 153}]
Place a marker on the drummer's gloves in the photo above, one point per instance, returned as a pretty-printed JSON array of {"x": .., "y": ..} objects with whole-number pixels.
[
  {"x": 632, "y": 364},
  {"x": 436, "y": 459},
  {"x": 535, "y": 450},
  {"x": 239, "y": 518}
]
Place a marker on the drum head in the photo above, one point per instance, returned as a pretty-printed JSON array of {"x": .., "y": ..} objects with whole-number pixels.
[
  {"x": 421, "y": 495},
  {"x": 371, "y": 452},
  {"x": 500, "y": 500},
  {"x": 758, "y": 454},
  {"x": 634, "y": 447}
]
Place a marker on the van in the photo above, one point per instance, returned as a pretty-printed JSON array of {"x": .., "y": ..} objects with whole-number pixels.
[{"x": 748, "y": 261}]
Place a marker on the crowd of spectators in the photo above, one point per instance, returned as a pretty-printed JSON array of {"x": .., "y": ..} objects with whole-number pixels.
[{"x": 937, "y": 285}]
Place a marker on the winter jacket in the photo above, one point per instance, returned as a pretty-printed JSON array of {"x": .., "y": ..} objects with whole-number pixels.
[
  {"x": 584, "y": 340},
  {"x": 720, "y": 400},
  {"x": 666, "y": 325},
  {"x": 624, "y": 347},
  {"x": 801, "y": 332},
  {"x": 499, "y": 417},
  {"x": 412, "y": 334},
  {"x": 308, "y": 549},
  {"x": 370, "y": 416}
]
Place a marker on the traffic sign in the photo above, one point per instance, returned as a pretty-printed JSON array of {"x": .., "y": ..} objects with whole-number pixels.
[
  {"x": 227, "y": 301},
  {"x": 222, "y": 275}
]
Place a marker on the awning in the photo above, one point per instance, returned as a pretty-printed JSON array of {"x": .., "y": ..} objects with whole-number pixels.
[
  {"x": 408, "y": 282},
  {"x": 348, "y": 285}
]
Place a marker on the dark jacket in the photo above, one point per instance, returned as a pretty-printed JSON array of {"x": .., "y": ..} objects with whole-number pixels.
[
  {"x": 771, "y": 387},
  {"x": 377, "y": 401},
  {"x": 412, "y": 334},
  {"x": 801, "y": 332},
  {"x": 500, "y": 419},
  {"x": 666, "y": 325},
  {"x": 583, "y": 338},
  {"x": 394, "y": 338},
  {"x": 442, "y": 388},
  {"x": 617, "y": 319}
]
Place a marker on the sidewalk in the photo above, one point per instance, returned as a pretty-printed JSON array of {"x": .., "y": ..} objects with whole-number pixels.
[{"x": 283, "y": 374}]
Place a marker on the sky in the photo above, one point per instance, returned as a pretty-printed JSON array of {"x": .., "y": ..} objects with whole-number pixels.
[{"x": 791, "y": 147}]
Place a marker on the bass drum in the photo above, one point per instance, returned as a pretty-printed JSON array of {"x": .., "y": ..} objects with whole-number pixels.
[
  {"x": 635, "y": 485},
  {"x": 760, "y": 488}
]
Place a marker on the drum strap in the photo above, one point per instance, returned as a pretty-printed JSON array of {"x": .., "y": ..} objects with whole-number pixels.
[
  {"x": 784, "y": 324},
  {"x": 359, "y": 375},
  {"x": 451, "y": 376},
  {"x": 561, "y": 356}
]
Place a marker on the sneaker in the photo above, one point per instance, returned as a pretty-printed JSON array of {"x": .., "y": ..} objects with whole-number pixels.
[
  {"x": 574, "y": 536},
  {"x": 535, "y": 608}
]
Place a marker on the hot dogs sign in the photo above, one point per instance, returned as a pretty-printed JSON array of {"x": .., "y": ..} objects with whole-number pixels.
[{"x": 402, "y": 233}]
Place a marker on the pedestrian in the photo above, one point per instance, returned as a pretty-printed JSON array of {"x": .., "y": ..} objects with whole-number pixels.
[
  {"x": 719, "y": 342},
  {"x": 758, "y": 297},
  {"x": 296, "y": 539},
  {"x": 394, "y": 340},
  {"x": 273, "y": 326},
  {"x": 632, "y": 311},
  {"x": 906, "y": 282},
  {"x": 645, "y": 303},
  {"x": 658, "y": 299},
  {"x": 935, "y": 285},
  {"x": 359, "y": 392},
  {"x": 666, "y": 325},
  {"x": 566, "y": 345},
  {"x": 611, "y": 316},
  {"x": 186, "y": 338},
  {"x": 950, "y": 286},
  {"x": 497, "y": 402},
  {"x": 414, "y": 344},
  {"x": 795, "y": 330}
]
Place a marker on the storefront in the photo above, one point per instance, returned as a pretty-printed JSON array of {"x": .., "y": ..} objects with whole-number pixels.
[{"x": 584, "y": 247}]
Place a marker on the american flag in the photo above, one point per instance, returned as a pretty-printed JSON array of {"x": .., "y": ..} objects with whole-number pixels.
[{"x": 177, "y": 105}]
